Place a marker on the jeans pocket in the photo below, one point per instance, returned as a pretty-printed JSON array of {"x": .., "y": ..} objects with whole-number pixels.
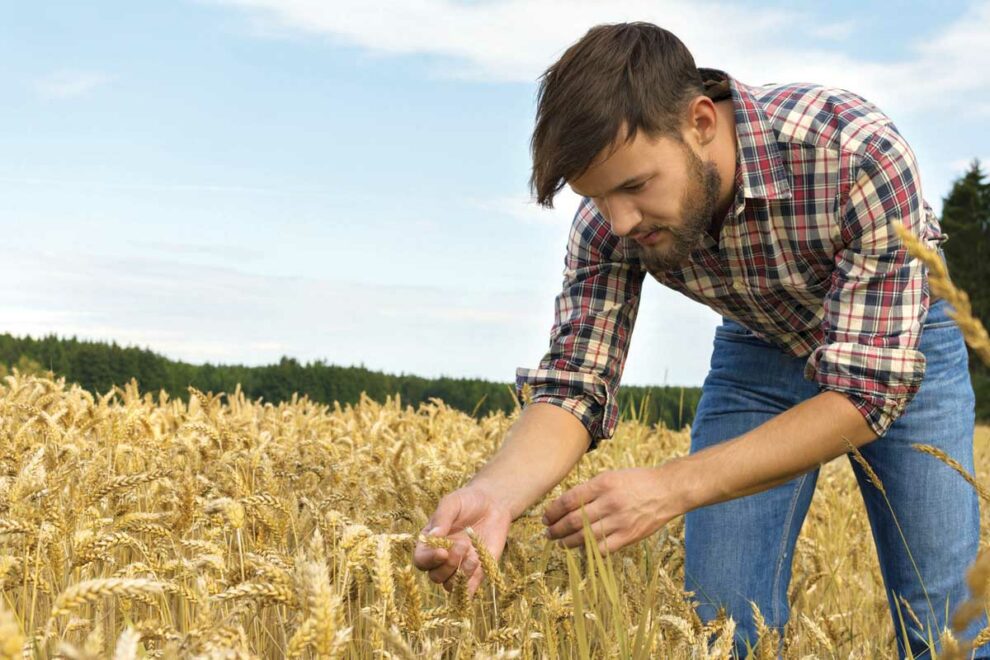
[{"x": 938, "y": 316}]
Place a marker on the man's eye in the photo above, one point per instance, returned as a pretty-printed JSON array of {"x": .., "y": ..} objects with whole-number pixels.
[{"x": 635, "y": 187}]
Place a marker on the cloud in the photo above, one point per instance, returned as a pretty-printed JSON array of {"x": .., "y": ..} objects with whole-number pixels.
[
  {"x": 961, "y": 166},
  {"x": 195, "y": 187},
  {"x": 835, "y": 31},
  {"x": 70, "y": 84},
  {"x": 225, "y": 251},
  {"x": 528, "y": 212},
  {"x": 506, "y": 41},
  {"x": 515, "y": 40}
]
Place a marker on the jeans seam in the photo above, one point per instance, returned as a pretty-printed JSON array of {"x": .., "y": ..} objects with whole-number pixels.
[{"x": 783, "y": 545}]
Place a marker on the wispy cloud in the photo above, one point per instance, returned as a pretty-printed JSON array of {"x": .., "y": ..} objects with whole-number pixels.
[
  {"x": 962, "y": 165},
  {"x": 528, "y": 212},
  {"x": 515, "y": 40},
  {"x": 193, "y": 187},
  {"x": 226, "y": 252},
  {"x": 70, "y": 84},
  {"x": 836, "y": 31}
]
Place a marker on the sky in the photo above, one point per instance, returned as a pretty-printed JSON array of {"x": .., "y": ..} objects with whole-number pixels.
[{"x": 230, "y": 181}]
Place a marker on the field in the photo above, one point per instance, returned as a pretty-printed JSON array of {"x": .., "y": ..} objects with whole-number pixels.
[{"x": 230, "y": 528}]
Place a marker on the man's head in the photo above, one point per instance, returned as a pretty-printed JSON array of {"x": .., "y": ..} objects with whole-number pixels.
[{"x": 622, "y": 117}]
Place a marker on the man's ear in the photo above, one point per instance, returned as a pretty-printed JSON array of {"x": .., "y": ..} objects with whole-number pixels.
[{"x": 701, "y": 119}]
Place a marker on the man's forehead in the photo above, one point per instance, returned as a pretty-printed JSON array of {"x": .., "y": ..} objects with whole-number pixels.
[
  {"x": 625, "y": 164},
  {"x": 602, "y": 183}
]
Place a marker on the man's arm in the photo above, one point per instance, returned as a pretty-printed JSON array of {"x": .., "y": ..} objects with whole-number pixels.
[
  {"x": 540, "y": 448},
  {"x": 782, "y": 448},
  {"x": 594, "y": 316},
  {"x": 573, "y": 402}
]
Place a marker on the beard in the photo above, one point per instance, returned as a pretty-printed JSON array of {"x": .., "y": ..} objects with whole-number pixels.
[{"x": 697, "y": 208}]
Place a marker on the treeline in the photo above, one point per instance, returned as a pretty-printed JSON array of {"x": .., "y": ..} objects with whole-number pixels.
[{"x": 97, "y": 366}]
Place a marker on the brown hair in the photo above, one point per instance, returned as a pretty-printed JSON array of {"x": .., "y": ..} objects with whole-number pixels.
[{"x": 637, "y": 73}]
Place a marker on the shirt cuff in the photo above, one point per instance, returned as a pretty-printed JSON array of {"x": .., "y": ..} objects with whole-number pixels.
[
  {"x": 584, "y": 395},
  {"x": 879, "y": 381}
]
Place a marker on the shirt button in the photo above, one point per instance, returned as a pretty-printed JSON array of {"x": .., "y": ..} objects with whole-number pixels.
[{"x": 738, "y": 286}]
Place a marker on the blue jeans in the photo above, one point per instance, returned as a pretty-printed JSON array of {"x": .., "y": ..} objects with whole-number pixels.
[{"x": 742, "y": 549}]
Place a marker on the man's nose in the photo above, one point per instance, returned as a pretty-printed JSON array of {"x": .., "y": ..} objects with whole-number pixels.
[{"x": 622, "y": 215}]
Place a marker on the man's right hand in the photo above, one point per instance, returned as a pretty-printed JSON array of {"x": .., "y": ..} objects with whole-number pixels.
[{"x": 470, "y": 506}]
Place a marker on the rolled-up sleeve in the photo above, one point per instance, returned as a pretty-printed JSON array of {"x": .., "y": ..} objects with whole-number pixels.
[
  {"x": 878, "y": 297},
  {"x": 595, "y": 313}
]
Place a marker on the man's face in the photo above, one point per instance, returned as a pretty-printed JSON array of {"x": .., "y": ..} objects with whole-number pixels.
[{"x": 654, "y": 184}]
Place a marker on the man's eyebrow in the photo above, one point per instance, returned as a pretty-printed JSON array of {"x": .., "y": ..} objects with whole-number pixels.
[{"x": 627, "y": 182}]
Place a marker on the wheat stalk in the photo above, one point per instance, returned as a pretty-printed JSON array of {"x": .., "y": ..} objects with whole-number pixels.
[{"x": 955, "y": 465}]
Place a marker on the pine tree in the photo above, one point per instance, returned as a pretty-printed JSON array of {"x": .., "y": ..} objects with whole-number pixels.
[{"x": 966, "y": 219}]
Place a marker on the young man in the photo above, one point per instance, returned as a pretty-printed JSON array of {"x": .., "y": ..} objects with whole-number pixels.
[{"x": 772, "y": 205}]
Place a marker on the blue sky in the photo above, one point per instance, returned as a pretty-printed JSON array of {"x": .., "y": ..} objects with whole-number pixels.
[{"x": 231, "y": 181}]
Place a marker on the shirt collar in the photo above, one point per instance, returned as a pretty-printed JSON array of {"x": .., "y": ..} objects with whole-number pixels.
[{"x": 757, "y": 156}]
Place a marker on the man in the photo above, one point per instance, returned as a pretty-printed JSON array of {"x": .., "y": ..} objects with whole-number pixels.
[{"x": 772, "y": 205}]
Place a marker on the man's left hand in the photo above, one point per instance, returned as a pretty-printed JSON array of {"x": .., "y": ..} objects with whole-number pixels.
[{"x": 623, "y": 507}]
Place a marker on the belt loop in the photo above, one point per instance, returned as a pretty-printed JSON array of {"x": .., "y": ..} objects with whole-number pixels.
[{"x": 941, "y": 254}]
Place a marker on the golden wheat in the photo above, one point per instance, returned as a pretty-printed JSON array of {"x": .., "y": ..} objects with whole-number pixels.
[
  {"x": 488, "y": 563},
  {"x": 134, "y": 524}
]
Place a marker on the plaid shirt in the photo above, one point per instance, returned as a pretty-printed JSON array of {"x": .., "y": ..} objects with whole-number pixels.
[{"x": 805, "y": 259}]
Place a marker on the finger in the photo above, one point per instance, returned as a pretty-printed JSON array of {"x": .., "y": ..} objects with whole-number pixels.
[
  {"x": 611, "y": 543},
  {"x": 426, "y": 558},
  {"x": 455, "y": 556},
  {"x": 458, "y": 551},
  {"x": 572, "y": 499},
  {"x": 442, "y": 574},
  {"x": 599, "y": 530},
  {"x": 467, "y": 566},
  {"x": 444, "y": 517},
  {"x": 470, "y": 564},
  {"x": 449, "y": 582},
  {"x": 574, "y": 521}
]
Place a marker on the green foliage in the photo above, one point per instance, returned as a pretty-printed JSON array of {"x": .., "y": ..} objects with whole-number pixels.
[
  {"x": 981, "y": 387},
  {"x": 966, "y": 220}
]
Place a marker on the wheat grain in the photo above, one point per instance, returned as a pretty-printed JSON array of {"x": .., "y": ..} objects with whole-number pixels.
[
  {"x": 264, "y": 591},
  {"x": 867, "y": 468},
  {"x": 488, "y": 562}
]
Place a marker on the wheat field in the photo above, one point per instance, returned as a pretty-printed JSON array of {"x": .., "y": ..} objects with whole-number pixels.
[{"x": 132, "y": 525}]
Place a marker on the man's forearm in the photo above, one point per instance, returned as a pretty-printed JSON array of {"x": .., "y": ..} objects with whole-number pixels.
[
  {"x": 540, "y": 448},
  {"x": 780, "y": 449}
]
